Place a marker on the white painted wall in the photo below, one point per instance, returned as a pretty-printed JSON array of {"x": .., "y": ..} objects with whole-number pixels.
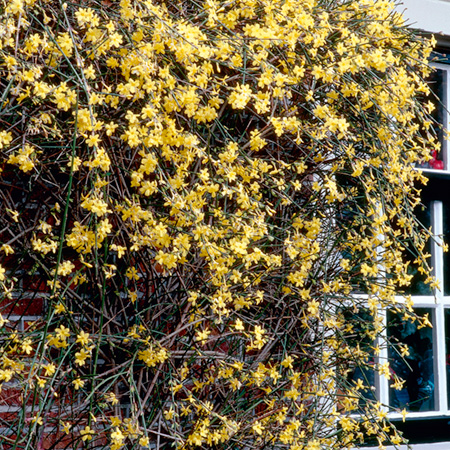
[
  {"x": 428, "y": 15},
  {"x": 438, "y": 446}
]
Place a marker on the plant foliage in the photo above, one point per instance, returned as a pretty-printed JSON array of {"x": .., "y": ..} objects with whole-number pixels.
[{"x": 215, "y": 198}]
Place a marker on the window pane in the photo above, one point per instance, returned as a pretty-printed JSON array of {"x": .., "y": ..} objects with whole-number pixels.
[
  {"x": 447, "y": 350},
  {"x": 437, "y": 189},
  {"x": 418, "y": 286},
  {"x": 360, "y": 327},
  {"x": 437, "y": 83},
  {"x": 415, "y": 368},
  {"x": 446, "y": 231}
]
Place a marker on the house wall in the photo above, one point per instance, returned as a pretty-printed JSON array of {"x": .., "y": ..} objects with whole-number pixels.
[{"x": 428, "y": 15}]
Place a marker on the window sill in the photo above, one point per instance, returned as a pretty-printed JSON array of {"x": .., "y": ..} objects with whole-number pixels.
[{"x": 434, "y": 446}]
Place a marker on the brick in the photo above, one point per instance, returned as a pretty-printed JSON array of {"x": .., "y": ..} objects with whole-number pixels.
[
  {"x": 23, "y": 307},
  {"x": 11, "y": 397},
  {"x": 35, "y": 283}
]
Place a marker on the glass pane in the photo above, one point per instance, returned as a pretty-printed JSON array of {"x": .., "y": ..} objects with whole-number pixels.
[
  {"x": 446, "y": 231},
  {"x": 415, "y": 366},
  {"x": 447, "y": 351},
  {"x": 438, "y": 189},
  {"x": 437, "y": 83},
  {"x": 360, "y": 326},
  {"x": 418, "y": 286},
  {"x": 365, "y": 376}
]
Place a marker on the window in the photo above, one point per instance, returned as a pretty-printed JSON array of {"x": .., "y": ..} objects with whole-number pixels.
[{"x": 425, "y": 366}]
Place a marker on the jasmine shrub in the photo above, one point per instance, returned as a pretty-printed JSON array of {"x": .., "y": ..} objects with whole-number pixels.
[{"x": 212, "y": 202}]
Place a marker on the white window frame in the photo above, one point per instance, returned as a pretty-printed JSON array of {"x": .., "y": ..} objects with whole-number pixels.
[
  {"x": 438, "y": 302},
  {"x": 446, "y": 102}
]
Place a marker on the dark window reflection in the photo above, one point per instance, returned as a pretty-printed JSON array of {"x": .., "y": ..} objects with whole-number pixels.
[
  {"x": 438, "y": 190},
  {"x": 359, "y": 323},
  {"x": 447, "y": 350},
  {"x": 415, "y": 367},
  {"x": 418, "y": 286},
  {"x": 446, "y": 231},
  {"x": 437, "y": 83}
]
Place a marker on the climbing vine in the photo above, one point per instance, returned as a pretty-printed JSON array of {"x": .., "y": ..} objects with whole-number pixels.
[{"x": 212, "y": 202}]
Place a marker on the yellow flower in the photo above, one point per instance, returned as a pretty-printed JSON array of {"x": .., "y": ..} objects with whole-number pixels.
[
  {"x": 5, "y": 136},
  {"x": 83, "y": 338},
  {"x": 41, "y": 382},
  {"x": 202, "y": 336},
  {"x": 313, "y": 308},
  {"x": 257, "y": 427},
  {"x": 59, "y": 308},
  {"x": 117, "y": 436},
  {"x": 37, "y": 419},
  {"x": 89, "y": 72},
  {"x": 66, "y": 427},
  {"x": 115, "y": 421},
  {"x": 132, "y": 273},
  {"x": 169, "y": 414},
  {"x": 86, "y": 433},
  {"x": 14, "y": 214},
  {"x": 95, "y": 205},
  {"x": 26, "y": 346},
  {"x": 65, "y": 268},
  {"x": 238, "y": 325},
  {"x": 240, "y": 96},
  {"x": 81, "y": 356},
  {"x": 62, "y": 332},
  {"x": 111, "y": 398},
  {"x": 49, "y": 369},
  {"x": 313, "y": 445},
  {"x": 7, "y": 249},
  {"x": 78, "y": 383},
  {"x": 120, "y": 250},
  {"x": 287, "y": 362}
]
